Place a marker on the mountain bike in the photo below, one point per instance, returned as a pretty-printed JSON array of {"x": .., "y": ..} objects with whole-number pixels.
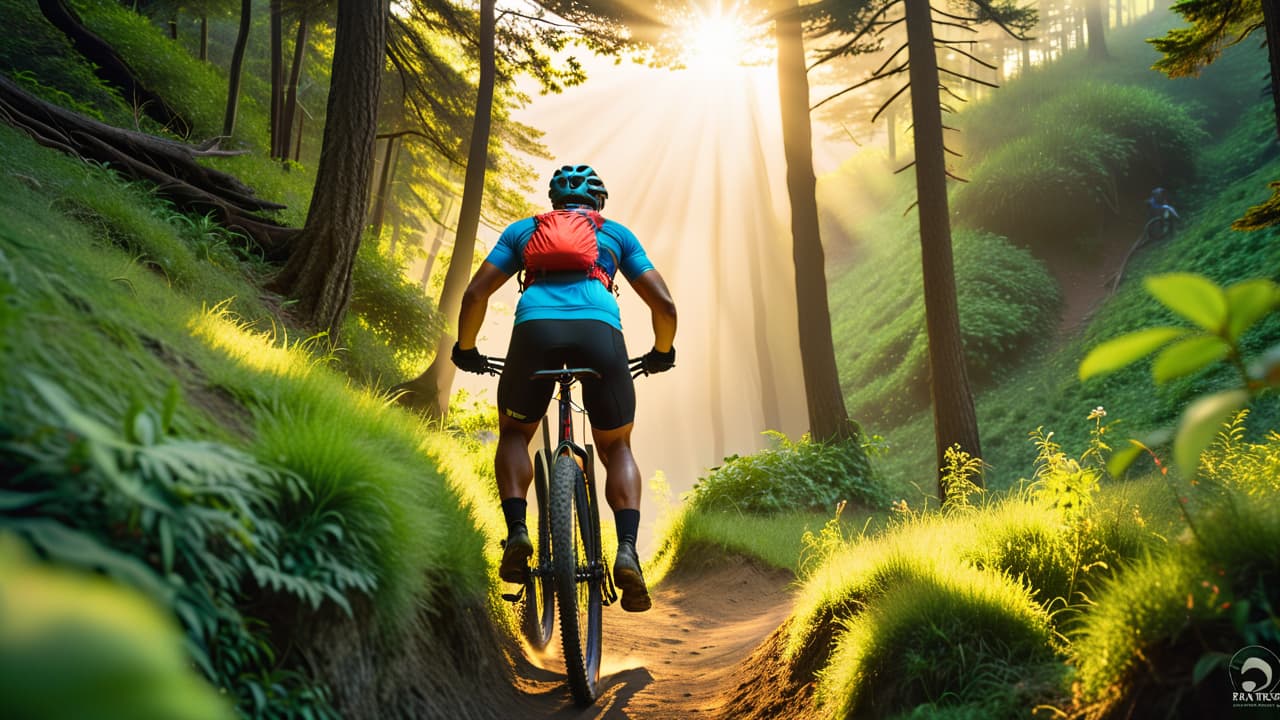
[{"x": 568, "y": 568}]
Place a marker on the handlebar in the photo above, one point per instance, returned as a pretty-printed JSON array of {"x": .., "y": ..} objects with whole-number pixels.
[{"x": 494, "y": 365}]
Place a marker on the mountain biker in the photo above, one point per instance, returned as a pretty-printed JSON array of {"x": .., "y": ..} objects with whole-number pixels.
[
  {"x": 1160, "y": 216},
  {"x": 1158, "y": 205},
  {"x": 570, "y": 317}
]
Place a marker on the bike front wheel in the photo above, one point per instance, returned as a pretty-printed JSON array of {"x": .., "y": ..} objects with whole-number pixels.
[{"x": 579, "y": 577}]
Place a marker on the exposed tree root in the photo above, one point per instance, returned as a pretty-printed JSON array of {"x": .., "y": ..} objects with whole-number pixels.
[{"x": 170, "y": 165}]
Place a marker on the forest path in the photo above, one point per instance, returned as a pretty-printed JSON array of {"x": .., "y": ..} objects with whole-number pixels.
[
  {"x": 678, "y": 660},
  {"x": 1086, "y": 282}
]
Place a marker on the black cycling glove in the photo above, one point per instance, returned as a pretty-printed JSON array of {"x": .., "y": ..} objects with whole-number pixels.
[
  {"x": 656, "y": 362},
  {"x": 470, "y": 360}
]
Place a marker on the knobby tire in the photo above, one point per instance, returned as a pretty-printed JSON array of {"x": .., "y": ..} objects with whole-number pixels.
[{"x": 575, "y": 550}]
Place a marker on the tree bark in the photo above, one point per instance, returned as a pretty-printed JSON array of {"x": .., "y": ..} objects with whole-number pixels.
[
  {"x": 1096, "y": 22},
  {"x": 1271, "y": 30},
  {"x": 318, "y": 273},
  {"x": 295, "y": 73},
  {"x": 170, "y": 165},
  {"x": 828, "y": 418},
  {"x": 112, "y": 68},
  {"x": 954, "y": 420},
  {"x": 770, "y": 399},
  {"x": 237, "y": 65},
  {"x": 278, "y": 150},
  {"x": 379, "y": 213},
  {"x": 204, "y": 38},
  {"x": 429, "y": 392}
]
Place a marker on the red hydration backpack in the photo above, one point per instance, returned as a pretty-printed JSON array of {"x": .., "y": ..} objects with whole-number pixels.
[{"x": 564, "y": 241}]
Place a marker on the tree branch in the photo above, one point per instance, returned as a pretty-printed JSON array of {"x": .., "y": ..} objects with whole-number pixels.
[
  {"x": 889, "y": 102},
  {"x": 975, "y": 58},
  {"x": 966, "y": 77},
  {"x": 901, "y": 68},
  {"x": 838, "y": 51}
]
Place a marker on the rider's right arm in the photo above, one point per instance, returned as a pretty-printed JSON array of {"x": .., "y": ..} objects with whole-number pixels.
[
  {"x": 652, "y": 289},
  {"x": 475, "y": 301}
]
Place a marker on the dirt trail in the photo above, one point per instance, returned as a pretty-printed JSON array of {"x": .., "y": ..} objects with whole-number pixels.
[{"x": 678, "y": 660}]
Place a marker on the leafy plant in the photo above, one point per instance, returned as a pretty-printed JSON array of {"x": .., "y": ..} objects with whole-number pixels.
[
  {"x": 956, "y": 477},
  {"x": 394, "y": 308},
  {"x": 1219, "y": 318},
  {"x": 803, "y": 475},
  {"x": 193, "y": 523}
]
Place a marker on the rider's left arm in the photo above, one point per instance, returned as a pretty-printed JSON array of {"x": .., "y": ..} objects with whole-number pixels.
[{"x": 475, "y": 301}]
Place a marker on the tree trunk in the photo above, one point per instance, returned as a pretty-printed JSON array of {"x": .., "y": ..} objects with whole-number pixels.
[
  {"x": 277, "y": 81},
  {"x": 237, "y": 64},
  {"x": 111, "y": 67},
  {"x": 431, "y": 260},
  {"x": 954, "y": 420},
  {"x": 828, "y": 419},
  {"x": 770, "y": 399},
  {"x": 1271, "y": 28},
  {"x": 891, "y": 129},
  {"x": 204, "y": 38},
  {"x": 380, "y": 192},
  {"x": 396, "y": 222},
  {"x": 297, "y": 152},
  {"x": 173, "y": 27},
  {"x": 429, "y": 392},
  {"x": 715, "y": 357},
  {"x": 318, "y": 273},
  {"x": 291, "y": 98},
  {"x": 1096, "y": 21}
]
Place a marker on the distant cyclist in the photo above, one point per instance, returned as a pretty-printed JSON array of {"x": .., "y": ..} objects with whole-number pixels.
[
  {"x": 1160, "y": 214},
  {"x": 568, "y": 314}
]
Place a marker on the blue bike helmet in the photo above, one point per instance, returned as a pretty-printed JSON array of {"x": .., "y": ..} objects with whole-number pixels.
[{"x": 577, "y": 183}]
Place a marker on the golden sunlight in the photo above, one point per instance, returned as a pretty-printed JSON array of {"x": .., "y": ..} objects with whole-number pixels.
[{"x": 716, "y": 40}]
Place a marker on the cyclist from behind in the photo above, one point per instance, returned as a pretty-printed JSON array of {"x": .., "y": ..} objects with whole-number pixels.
[{"x": 568, "y": 314}]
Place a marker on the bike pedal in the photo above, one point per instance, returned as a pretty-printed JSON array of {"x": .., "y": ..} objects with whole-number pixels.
[{"x": 514, "y": 597}]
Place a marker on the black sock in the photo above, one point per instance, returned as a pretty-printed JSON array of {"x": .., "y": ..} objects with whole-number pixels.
[
  {"x": 513, "y": 509},
  {"x": 628, "y": 522}
]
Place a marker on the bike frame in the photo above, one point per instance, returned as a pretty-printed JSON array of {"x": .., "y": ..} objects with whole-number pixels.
[{"x": 565, "y": 378}]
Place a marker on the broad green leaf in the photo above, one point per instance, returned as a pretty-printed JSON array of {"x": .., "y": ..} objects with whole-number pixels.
[
  {"x": 1207, "y": 663},
  {"x": 1200, "y": 425},
  {"x": 1192, "y": 296},
  {"x": 1125, "y": 457},
  {"x": 12, "y": 500},
  {"x": 166, "y": 545},
  {"x": 1187, "y": 356},
  {"x": 1248, "y": 302},
  {"x": 144, "y": 429},
  {"x": 1118, "y": 352}
]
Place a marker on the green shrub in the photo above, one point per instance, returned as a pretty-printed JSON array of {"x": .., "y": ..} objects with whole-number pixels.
[
  {"x": 952, "y": 635},
  {"x": 394, "y": 308},
  {"x": 194, "y": 524},
  {"x": 1161, "y": 634},
  {"x": 1008, "y": 301},
  {"x": 1075, "y": 161},
  {"x": 803, "y": 475}
]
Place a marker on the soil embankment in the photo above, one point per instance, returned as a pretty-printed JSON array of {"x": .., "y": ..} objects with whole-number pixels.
[{"x": 681, "y": 659}]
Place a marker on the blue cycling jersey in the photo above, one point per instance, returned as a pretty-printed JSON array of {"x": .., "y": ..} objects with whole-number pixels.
[{"x": 560, "y": 298}]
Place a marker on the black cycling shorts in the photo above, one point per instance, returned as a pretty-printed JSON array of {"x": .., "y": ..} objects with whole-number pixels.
[{"x": 547, "y": 344}]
